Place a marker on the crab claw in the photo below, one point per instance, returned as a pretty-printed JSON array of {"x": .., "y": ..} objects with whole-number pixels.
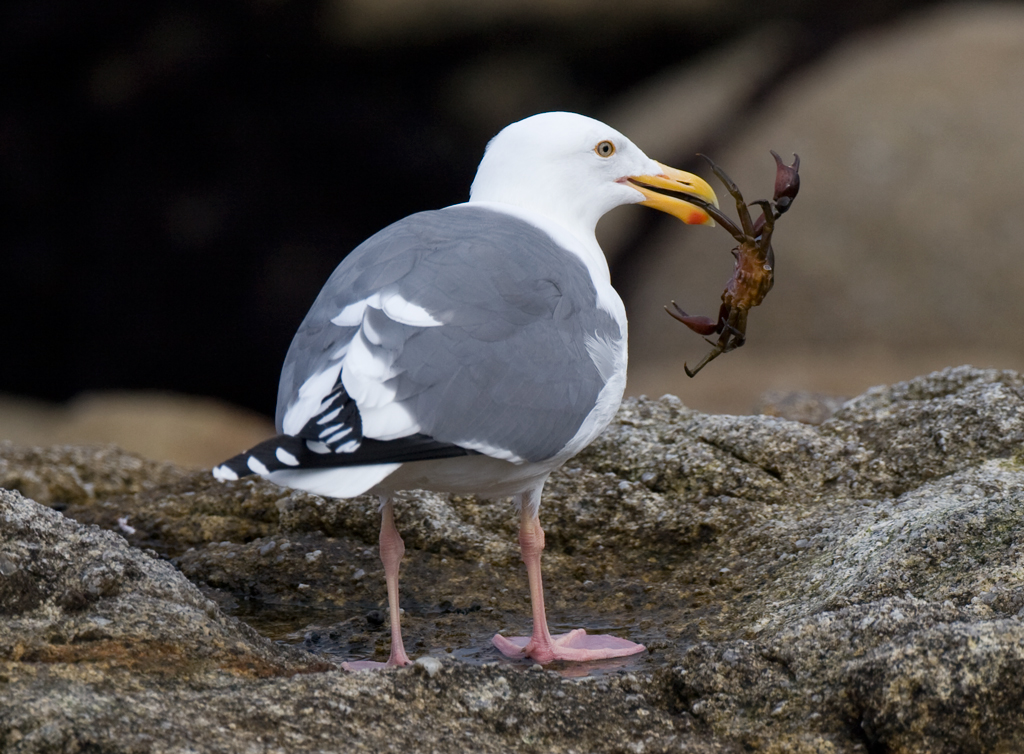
[
  {"x": 787, "y": 182},
  {"x": 697, "y": 323}
]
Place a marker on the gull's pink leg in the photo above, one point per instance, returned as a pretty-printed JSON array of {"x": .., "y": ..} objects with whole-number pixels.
[
  {"x": 392, "y": 548},
  {"x": 574, "y": 646},
  {"x": 531, "y": 545}
]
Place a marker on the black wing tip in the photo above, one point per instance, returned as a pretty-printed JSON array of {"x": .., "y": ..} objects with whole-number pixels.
[
  {"x": 287, "y": 452},
  {"x": 233, "y": 469}
]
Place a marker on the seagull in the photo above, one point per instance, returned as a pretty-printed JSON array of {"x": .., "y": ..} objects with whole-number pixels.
[{"x": 474, "y": 349}]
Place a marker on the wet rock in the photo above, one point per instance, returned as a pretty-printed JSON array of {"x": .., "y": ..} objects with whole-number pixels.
[
  {"x": 857, "y": 585},
  {"x": 74, "y": 595}
]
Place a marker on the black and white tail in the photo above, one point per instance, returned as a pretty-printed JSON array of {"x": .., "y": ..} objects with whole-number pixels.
[{"x": 332, "y": 439}]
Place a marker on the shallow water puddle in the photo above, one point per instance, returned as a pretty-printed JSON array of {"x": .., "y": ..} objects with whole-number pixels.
[{"x": 342, "y": 636}]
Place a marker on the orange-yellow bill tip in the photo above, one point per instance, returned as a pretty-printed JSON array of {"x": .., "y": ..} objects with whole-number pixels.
[{"x": 680, "y": 184}]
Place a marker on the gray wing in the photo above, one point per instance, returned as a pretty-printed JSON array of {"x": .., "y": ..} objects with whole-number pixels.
[{"x": 462, "y": 327}]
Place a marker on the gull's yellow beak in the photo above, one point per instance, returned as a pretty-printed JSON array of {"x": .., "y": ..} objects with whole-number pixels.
[{"x": 676, "y": 182}]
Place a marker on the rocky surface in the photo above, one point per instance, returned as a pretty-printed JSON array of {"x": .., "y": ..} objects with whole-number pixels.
[{"x": 852, "y": 586}]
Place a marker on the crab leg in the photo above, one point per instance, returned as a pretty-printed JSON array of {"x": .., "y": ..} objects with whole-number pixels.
[
  {"x": 719, "y": 217},
  {"x": 741, "y": 204},
  {"x": 769, "y": 223},
  {"x": 699, "y": 324},
  {"x": 753, "y": 275},
  {"x": 711, "y": 356}
]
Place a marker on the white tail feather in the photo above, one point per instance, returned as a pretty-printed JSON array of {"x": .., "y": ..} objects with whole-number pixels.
[{"x": 348, "y": 481}]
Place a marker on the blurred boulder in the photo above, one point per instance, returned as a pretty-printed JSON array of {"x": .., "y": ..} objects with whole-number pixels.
[
  {"x": 371, "y": 22},
  {"x": 78, "y": 597},
  {"x": 906, "y": 238},
  {"x": 672, "y": 115},
  {"x": 187, "y": 430},
  {"x": 179, "y": 182}
]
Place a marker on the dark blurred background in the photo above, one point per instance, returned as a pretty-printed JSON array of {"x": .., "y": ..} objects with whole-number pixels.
[{"x": 179, "y": 178}]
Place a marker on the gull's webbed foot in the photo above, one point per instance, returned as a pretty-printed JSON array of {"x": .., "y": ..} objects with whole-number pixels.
[{"x": 575, "y": 646}]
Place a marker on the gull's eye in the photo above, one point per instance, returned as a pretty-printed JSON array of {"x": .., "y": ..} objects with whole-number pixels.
[{"x": 605, "y": 149}]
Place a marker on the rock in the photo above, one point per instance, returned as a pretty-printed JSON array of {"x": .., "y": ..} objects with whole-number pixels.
[
  {"x": 186, "y": 430},
  {"x": 69, "y": 475},
  {"x": 362, "y": 22},
  {"x": 855, "y": 585},
  {"x": 75, "y": 596},
  {"x": 905, "y": 702},
  {"x": 798, "y": 405},
  {"x": 891, "y": 127}
]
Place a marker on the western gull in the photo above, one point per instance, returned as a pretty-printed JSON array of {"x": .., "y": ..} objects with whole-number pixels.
[{"x": 474, "y": 349}]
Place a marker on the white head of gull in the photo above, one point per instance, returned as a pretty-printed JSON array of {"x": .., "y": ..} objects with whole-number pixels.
[{"x": 474, "y": 349}]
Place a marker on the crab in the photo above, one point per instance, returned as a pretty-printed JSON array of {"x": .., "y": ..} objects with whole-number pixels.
[{"x": 754, "y": 273}]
